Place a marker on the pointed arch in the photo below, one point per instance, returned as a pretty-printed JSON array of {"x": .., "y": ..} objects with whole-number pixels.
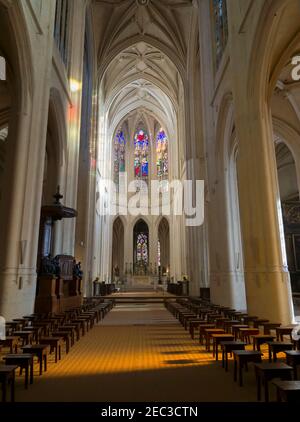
[
  {"x": 264, "y": 69},
  {"x": 226, "y": 152}
]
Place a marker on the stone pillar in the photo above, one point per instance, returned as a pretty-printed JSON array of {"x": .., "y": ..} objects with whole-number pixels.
[
  {"x": 27, "y": 136},
  {"x": 267, "y": 280},
  {"x": 76, "y": 74},
  {"x": 153, "y": 244},
  {"x": 128, "y": 244}
]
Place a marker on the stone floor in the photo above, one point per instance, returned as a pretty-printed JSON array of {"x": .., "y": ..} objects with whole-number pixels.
[{"x": 138, "y": 353}]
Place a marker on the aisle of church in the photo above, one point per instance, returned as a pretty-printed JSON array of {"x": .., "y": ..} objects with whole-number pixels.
[
  {"x": 138, "y": 353},
  {"x": 149, "y": 149}
]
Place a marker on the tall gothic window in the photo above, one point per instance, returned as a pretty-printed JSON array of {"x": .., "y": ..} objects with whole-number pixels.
[
  {"x": 162, "y": 155},
  {"x": 61, "y": 28},
  {"x": 158, "y": 254},
  {"x": 141, "y": 152},
  {"x": 119, "y": 156},
  {"x": 142, "y": 249},
  {"x": 220, "y": 28}
]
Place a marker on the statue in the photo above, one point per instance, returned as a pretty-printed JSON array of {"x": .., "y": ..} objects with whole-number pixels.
[
  {"x": 117, "y": 271},
  {"x": 57, "y": 266},
  {"x": 77, "y": 271},
  {"x": 49, "y": 266}
]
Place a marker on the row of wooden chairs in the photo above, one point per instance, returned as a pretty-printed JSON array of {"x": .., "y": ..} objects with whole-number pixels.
[
  {"x": 37, "y": 335},
  {"x": 231, "y": 331}
]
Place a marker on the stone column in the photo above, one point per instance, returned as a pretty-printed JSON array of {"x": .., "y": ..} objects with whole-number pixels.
[
  {"x": 153, "y": 244},
  {"x": 76, "y": 74},
  {"x": 267, "y": 280},
  {"x": 27, "y": 136}
]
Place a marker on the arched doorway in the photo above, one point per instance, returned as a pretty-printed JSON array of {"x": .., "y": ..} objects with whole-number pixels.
[
  {"x": 290, "y": 205},
  {"x": 118, "y": 250},
  {"x": 163, "y": 249},
  {"x": 141, "y": 248}
]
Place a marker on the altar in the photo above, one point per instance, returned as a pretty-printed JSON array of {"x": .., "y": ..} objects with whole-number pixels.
[{"x": 141, "y": 282}]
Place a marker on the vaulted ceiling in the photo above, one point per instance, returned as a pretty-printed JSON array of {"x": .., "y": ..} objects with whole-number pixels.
[
  {"x": 143, "y": 51},
  {"x": 169, "y": 25},
  {"x": 141, "y": 77}
]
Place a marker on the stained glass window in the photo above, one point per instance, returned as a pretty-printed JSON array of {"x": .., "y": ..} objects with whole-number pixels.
[
  {"x": 142, "y": 248},
  {"x": 61, "y": 28},
  {"x": 162, "y": 155},
  {"x": 119, "y": 155},
  {"x": 158, "y": 254},
  {"x": 220, "y": 27},
  {"x": 141, "y": 151}
]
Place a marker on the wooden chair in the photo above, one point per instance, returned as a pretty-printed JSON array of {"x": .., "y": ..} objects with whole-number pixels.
[
  {"x": 208, "y": 335},
  {"x": 266, "y": 372},
  {"x": 202, "y": 331},
  {"x": 7, "y": 376},
  {"x": 293, "y": 359},
  {"x": 283, "y": 331},
  {"x": 26, "y": 336},
  {"x": 217, "y": 339},
  {"x": 40, "y": 351},
  {"x": 76, "y": 328},
  {"x": 228, "y": 324},
  {"x": 194, "y": 324},
  {"x": 24, "y": 361},
  {"x": 55, "y": 344},
  {"x": 288, "y": 391},
  {"x": 236, "y": 328},
  {"x": 260, "y": 339},
  {"x": 36, "y": 332},
  {"x": 229, "y": 347},
  {"x": 277, "y": 347},
  {"x": 268, "y": 326},
  {"x": 249, "y": 318},
  {"x": 258, "y": 322},
  {"x": 241, "y": 359},
  {"x": 12, "y": 342},
  {"x": 246, "y": 333},
  {"x": 66, "y": 336}
]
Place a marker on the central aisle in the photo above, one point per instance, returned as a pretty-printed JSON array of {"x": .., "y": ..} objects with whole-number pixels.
[{"x": 138, "y": 353}]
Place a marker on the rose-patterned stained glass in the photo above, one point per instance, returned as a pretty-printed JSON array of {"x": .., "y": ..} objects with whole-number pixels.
[
  {"x": 220, "y": 28},
  {"x": 142, "y": 248},
  {"x": 119, "y": 155},
  {"x": 162, "y": 155},
  {"x": 141, "y": 151}
]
